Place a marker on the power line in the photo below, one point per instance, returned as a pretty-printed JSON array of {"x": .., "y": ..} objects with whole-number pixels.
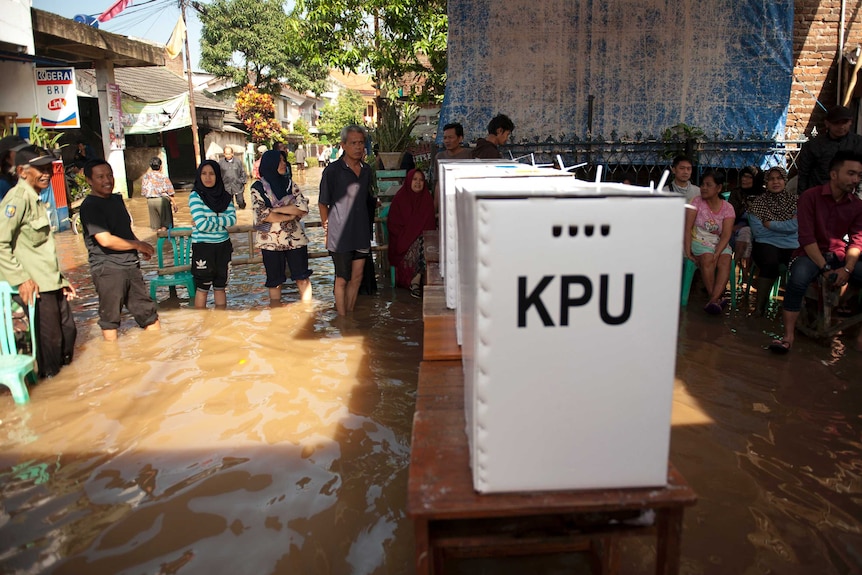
[
  {"x": 153, "y": 23},
  {"x": 134, "y": 13},
  {"x": 154, "y": 9}
]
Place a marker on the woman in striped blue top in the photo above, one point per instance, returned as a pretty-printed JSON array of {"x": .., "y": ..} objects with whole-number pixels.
[{"x": 212, "y": 213}]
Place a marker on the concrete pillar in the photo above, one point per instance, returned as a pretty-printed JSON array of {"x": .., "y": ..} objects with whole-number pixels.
[{"x": 117, "y": 158}]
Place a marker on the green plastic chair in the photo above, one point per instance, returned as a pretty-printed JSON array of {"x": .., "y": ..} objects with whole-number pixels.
[
  {"x": 776, "y": 287},
  {"x": 182, "y": 250},
  {"x": 688, "y": 269},
  {"x": 15, "y": 368},
  {"x": 736, "y": 279}
]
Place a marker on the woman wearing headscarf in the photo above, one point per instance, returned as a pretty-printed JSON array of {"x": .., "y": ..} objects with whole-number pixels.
[
  {"x": 740, "y": 240},
  {"x": 212, "y": 213},
  {"x": 278, "y": 208},
  {"x": 411, "y": 213},
  {"x": 159, "y": 191},
  {"x": 772, "y": 217}
]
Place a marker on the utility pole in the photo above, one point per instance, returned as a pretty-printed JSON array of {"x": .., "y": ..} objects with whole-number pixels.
[{"x": 195, "y": 140}]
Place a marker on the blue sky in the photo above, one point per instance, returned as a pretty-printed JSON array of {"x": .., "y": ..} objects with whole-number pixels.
[{"x": 150, "y": 19}]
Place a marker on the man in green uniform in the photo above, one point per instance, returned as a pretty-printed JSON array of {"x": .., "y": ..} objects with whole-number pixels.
[{"x": 28, "y": 260}]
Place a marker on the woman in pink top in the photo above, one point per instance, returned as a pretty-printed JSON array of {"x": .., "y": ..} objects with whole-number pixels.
[{"x": 711, "y": 225}]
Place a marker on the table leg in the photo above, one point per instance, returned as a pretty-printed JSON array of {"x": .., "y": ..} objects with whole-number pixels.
[
  {"x": 420, "y": 529},
  {"x": 610, "y": 558},
  {"x": 669, "y": 526}
]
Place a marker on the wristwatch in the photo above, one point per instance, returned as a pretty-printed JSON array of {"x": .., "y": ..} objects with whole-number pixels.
[
  {"x": 826, "y": 267},
  {"x": 848, "y": 271}
]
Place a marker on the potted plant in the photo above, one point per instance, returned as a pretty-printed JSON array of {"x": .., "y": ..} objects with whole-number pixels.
[
  {"x": 395, "y": 122},
  {"x": 43, "y": 138}
]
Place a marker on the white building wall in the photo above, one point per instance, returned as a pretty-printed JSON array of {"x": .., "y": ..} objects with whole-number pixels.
[
  {"x": 16, "y": 27},
  {"x": 19, "y": 91}
]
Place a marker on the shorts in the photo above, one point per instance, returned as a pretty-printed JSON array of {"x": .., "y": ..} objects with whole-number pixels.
[
  {"x": 698, "y": 249},
  {"x": 118, "y": 286},
  {"x": 344, "y": 262},
  {"x": 276, "y": 262},
  {"x": 210, "y": 264}
]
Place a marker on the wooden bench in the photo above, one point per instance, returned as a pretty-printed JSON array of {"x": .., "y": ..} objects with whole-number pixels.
[{"x": 452, "y": 520}]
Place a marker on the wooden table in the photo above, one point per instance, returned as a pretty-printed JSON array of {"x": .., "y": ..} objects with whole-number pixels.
[
  {"x": 438, "y": 326},
  {"x": 452, "y": 519}
]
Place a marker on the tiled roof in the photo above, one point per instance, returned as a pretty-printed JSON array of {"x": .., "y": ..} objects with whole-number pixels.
[{"x": 153, "y": 84}]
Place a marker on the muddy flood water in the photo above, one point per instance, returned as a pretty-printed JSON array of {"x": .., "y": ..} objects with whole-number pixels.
[{"x": 260, "y": 441}]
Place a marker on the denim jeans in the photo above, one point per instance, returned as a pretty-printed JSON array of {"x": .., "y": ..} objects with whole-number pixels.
[{"x": 803, "y": 271}]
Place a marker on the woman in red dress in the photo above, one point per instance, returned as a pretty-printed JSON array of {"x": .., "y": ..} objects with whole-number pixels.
[{"x": 411, "y": 213}]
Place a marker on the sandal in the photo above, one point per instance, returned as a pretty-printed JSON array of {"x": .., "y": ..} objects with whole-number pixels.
[
  {"x": 712, "y": 309},
  {"x": 779, "y": 346},
  {"x": 416, "y": 291}
]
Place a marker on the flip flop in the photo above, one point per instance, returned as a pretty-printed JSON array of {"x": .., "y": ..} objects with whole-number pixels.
[
  {"x": 779, "y": 346},
  {"x": 712, "y": 309}
]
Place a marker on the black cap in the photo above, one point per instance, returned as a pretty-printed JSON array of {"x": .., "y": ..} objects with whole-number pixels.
[
  {"x": 12, "y": 143},
  {"x": 839, "y": 114},
  {"x": 33, "y": 156}
]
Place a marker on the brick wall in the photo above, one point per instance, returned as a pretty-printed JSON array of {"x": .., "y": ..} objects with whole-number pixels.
[
  {"x": 176, "y": 65},
  {"x": 815, "y": 53}
]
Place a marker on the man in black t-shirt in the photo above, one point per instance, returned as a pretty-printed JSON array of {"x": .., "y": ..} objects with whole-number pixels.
[{"x": 113, "y": 254}]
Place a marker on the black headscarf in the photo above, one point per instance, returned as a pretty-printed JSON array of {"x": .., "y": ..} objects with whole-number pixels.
[
  {"x": 280, "y": 185},
  {"x": 216, "y": 197},
  {"x": 775, "y": 206}
]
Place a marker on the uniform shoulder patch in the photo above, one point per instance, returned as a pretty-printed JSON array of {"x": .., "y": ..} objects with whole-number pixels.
[{"x": 10, "y": 210}]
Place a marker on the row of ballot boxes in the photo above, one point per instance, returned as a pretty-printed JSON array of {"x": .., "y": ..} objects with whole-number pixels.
[{"x": 566, "y": 305}]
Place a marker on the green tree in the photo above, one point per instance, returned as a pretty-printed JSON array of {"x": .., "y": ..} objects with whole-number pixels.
[
  {"x": 300, "y": 126},
  {"x": 255, "y": 42},
  {"x": 397, "y": 40},
  {"x": 348, "y": 108}
]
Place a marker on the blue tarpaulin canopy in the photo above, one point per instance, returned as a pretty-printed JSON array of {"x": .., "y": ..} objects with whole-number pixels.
[{"x": 724, "y": 66}]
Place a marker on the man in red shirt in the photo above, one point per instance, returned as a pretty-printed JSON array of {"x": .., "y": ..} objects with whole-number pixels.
[{"x": 826, "y": 215}]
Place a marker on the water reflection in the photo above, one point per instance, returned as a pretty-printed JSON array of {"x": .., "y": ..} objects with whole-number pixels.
[
  {"x": 254, "y": 440},
  {"x": 260, "y": 440}
]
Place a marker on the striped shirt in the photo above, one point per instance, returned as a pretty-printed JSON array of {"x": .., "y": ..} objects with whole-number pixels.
[{"x": 209, "y": 227}]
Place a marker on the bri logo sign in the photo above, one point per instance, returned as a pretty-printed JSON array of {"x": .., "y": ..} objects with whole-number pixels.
[
  {"x": 533, "y": 299},
  {"x": 57, "y": 98}
]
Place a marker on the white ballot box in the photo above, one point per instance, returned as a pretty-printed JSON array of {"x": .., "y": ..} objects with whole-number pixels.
[
  {"x": 451, "y": 172},
  {"x": 448, "y": 173},
  {"x": 569, "y": 304}
]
